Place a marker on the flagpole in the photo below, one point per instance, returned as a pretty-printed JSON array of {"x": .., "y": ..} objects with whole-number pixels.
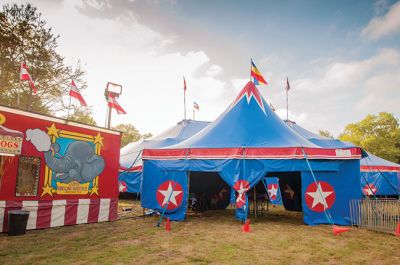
[
  {"x": 287, "y": 101},
  {"x": 193, "y": 114},
  {"x": 109, "y": 118},
  {"x": 251, "y": 60},
  {"x": 19, "y": 90},
  {"x": 69, "y": 106},
  {"x": 184, "y": 104},
  {"x": 184, "y": 98}
]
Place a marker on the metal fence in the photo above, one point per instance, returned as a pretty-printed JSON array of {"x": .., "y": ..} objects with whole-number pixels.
[{"x": 376, "y": 214}]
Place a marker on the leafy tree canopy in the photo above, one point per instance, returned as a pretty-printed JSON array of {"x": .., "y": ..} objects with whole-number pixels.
[
  {"x": 378, "y": 134},
  {"x": 130, "y": 133},
  {"x": 325, "y": 133},
  {"x": 147, "y": 135},
  {"x": 82, "y": 115},
  {"x": 25, "y": 38}
]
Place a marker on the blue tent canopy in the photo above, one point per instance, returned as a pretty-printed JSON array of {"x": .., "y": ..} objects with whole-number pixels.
[
  {"x": 318, "y": 139},
  {"x": 245, "y": 144},
  {"x": 130, "y": 174},
  {"x": 379, "y": 177}
]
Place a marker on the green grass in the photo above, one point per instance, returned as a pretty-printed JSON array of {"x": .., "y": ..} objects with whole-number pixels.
[{"x": 212, "y": 238}]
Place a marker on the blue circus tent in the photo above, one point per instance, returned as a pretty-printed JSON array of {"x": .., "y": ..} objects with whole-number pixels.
[
  {"x": 243, "y": 145},
  {"x": 379, "y": 177},
  {"x": 130, "y": 175}
]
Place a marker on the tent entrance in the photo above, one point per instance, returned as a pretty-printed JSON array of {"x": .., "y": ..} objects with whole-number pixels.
[
  {"x": 207, "y": 191},
  {"x": 290, "y": 188},
  {"x": 276, "y": 188}
]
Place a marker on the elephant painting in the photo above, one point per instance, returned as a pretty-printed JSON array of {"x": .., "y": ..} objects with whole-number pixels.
[{"x": 79, "y": 163}]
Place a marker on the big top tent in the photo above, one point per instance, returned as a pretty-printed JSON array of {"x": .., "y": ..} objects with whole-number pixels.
[{"x": 244, "y": 144}]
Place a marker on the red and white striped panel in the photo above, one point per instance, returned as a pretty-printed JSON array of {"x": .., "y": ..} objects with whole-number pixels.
[{"x": 45, "y": 214}]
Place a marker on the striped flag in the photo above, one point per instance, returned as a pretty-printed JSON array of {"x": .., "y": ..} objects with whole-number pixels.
[
  {"x": 257, "y": 76},
  {"x": 196, "y": 106},
  {"x": 184, "y": 84},
  {"x": 113, "y": 103},
  {"x": 25, "y": 76},
  {"x": 287, "y": 88},
  {"x": 75, "y": 93}
]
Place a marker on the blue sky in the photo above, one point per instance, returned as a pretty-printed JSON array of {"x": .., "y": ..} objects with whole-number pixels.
[{"x": 342, "y": 57}]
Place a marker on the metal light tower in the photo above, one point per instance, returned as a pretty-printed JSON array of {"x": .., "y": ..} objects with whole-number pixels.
[{"x": 115, "y": 91}]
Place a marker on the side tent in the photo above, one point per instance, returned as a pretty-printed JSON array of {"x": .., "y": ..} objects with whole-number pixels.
[
  {"x": 379, "y": 177},
  {"x": 245, "y": 144},
  {"x": 130, "y": 173}
]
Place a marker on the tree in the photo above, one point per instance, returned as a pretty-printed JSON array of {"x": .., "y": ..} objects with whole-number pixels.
[
  {"x": 25, "y": 38},
  {"x": 83, "y": 115},
  {"x": 129, "y": 133},
  {"x": 378, "y": 134},
  {"x": 147, "y": 135},
  {"x": 325, "y": 133}
]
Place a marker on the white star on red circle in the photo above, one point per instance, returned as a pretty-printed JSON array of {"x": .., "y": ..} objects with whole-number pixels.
[
  {"x": 169, "y": 193},
  {"x": 320, "y": 196}
]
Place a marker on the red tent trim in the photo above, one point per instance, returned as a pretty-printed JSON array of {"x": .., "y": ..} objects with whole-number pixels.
[
  {"x": 380, "y": 168},
  {"x": 252, "y": 153},
  {"x": 132, "y": 169}
]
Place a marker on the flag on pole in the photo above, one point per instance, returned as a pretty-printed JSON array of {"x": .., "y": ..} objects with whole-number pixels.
[
  {"x": 24, "y": 73},
  {"x": 113, "y": 103},
  {"x": 25, "y": 76},
  {"x": 287, "y": 84},
  {"x": 257, "y": 76},
  {"x": 184, "y": 84},
  {"x": 75, "y": 93},
  {"x": 196, "y": 106}
]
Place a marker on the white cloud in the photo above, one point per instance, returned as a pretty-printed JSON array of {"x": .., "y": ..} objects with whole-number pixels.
[
  {"x": 345, "y": 91},
  {"x": 123, "y": 51},
  {"x": 98, "y": 4},
  {"x": 214, "y": 70},
  {"x": 299, "y": 118},
  {"x": 339, "y": 75},
  {"x": 383, "y": 26},
  {"x": 327, "y": 94},
  {"x": 238, "y": 84}
]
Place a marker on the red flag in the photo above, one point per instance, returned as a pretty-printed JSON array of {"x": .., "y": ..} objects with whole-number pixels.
[
  {"x": 25, "y": 76},
  {"x": 184, "y": 84},
  {"x": 196, "y": 106},
  {"x": 24, "y": 73},
  {"x": 75, "y": 93},
  {"x": 287, "y": 84},
  {"x": 113, "y": 103}
]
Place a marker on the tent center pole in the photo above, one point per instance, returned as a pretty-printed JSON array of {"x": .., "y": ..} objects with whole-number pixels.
[{"x": 255, "y": 203}]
